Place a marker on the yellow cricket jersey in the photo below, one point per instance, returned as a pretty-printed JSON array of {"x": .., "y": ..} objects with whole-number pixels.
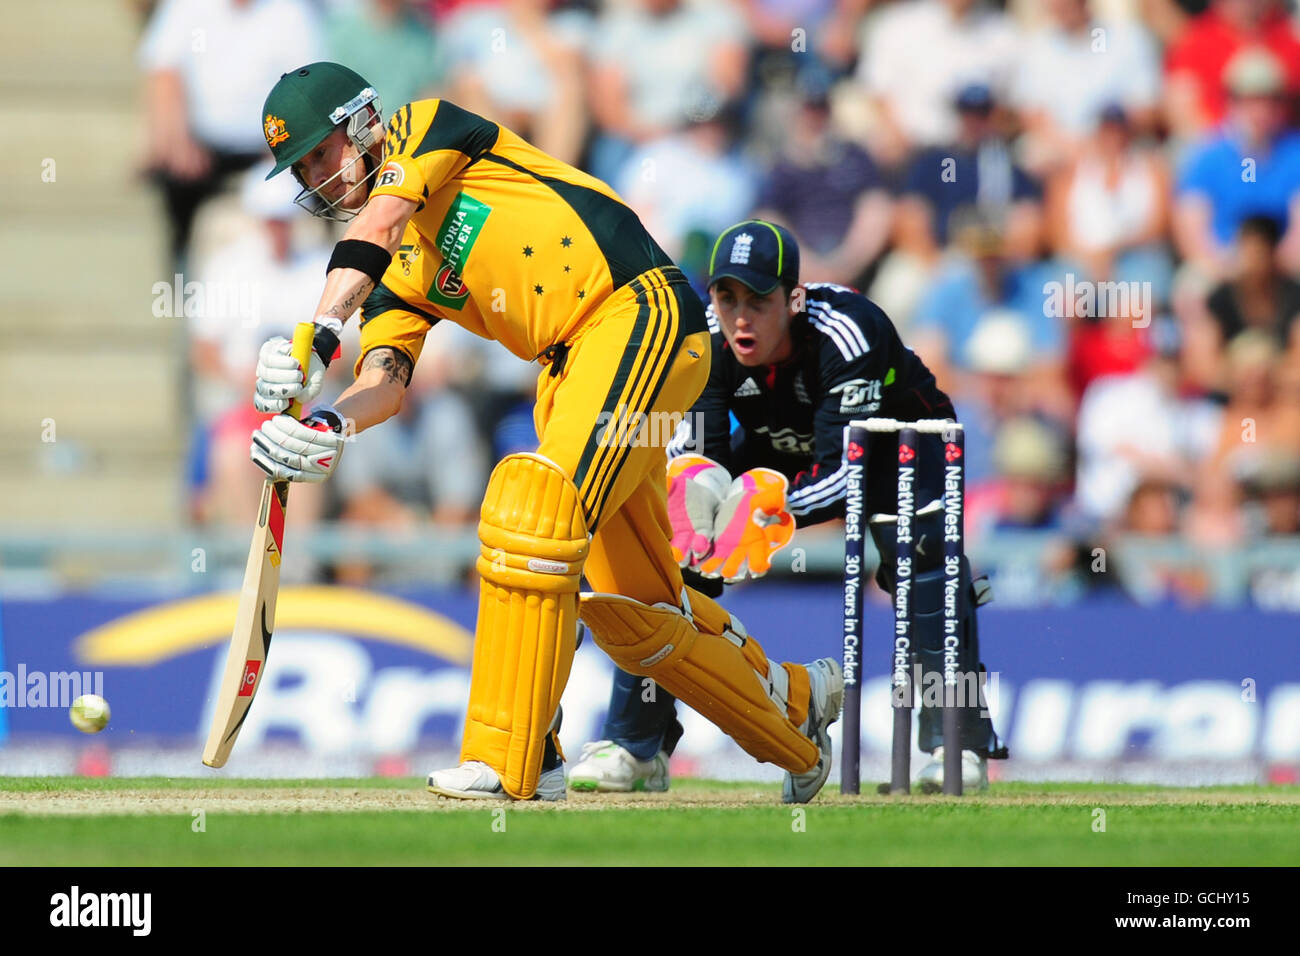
[{"x": 507, "y": 241}]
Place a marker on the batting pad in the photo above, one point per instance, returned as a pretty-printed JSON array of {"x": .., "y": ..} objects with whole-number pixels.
[
  {"x": 534, "y": 542},
  {"x": 710, "y": 663}
]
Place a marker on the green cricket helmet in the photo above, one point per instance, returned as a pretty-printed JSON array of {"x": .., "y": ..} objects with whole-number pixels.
[{"x": 305, "y": 107}]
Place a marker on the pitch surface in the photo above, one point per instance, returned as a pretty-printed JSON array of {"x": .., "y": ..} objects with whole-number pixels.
[{"x": 78, "y": 821}]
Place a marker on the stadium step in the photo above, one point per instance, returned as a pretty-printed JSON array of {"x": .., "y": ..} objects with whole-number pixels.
[{"x": 81, "y": 349}]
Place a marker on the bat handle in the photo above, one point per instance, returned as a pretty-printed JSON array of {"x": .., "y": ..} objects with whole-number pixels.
[{"x": 303, "y": 333}]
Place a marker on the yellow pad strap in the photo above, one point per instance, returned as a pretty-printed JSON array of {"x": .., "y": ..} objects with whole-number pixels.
[
  {"x": 534, "y": 542},
  {"x": 714, "y": 669}
]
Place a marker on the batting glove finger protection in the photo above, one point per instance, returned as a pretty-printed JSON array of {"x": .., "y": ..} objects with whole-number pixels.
[
  {"x": 290, "y": 450},
  {"x": 281, "y": 380}
]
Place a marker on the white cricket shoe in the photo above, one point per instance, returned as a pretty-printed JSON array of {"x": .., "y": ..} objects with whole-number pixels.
[
  {"x": 974, "y": 772},
  {"x": 474, "y": 780},
  {"x": 826, "y": 686},
  {"x": 605, "y": 767}
]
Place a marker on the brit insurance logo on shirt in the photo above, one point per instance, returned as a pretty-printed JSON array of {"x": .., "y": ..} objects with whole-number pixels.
[
  {"x": 456, "y": 236},
  {"x": 858, "y": 395}
]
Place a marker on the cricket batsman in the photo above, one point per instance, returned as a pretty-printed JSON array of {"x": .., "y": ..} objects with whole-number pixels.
[
  {"x": 794, "y": 364},
  {"x": 453, "y": 217}
]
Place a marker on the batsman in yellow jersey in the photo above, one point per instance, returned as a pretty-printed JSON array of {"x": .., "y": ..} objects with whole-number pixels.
[{"x": 452, "y": 217}]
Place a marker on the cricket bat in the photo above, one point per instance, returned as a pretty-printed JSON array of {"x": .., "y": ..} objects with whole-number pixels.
[{"x": 255, "y": 619}]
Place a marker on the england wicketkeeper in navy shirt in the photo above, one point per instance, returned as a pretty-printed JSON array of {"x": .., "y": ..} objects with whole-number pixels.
[{"x": 793, "y": 364}]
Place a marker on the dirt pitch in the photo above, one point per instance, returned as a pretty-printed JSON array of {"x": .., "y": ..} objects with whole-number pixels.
[
  {"x": 66, "y": 821},
  {"x": 411, "y": 797}
]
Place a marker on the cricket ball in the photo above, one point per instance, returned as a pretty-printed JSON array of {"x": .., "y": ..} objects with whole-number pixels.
[{"x": 90, "y": 713}]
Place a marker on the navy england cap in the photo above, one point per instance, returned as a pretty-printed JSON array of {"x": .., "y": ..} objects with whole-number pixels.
[{"x": 756, "y": 252}]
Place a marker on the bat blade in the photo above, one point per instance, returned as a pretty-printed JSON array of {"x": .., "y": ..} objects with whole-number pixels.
[
  {"x": 255, "y": 620},
  {"x": 254, "y": 623}
]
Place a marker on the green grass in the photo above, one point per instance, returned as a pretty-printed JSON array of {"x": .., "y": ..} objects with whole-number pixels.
[
  {"x": 1025, "y": 824},
  {"x": 102, "y": 784}
]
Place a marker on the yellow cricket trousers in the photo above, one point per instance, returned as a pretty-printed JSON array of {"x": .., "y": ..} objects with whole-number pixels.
[{"x": 605, "y": 419}]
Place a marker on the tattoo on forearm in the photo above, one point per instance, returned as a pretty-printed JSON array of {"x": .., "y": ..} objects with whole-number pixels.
[
  {"x": 350, "y": 304},
  {"x": 396, "y": 365}
]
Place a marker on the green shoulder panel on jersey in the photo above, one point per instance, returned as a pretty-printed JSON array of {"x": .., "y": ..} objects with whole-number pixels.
[
  {"x": 383, "y": 299},
  {"x": 627, "y": 247},
  {"x": 454, "y": 128}
]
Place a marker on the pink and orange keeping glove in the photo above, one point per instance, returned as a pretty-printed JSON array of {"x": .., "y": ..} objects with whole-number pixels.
[
  {"x": 750, "y": 527},
  {"x": 696, "y": 488}
]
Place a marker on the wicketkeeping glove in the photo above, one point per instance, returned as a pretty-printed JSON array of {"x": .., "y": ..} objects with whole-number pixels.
[
  {"x": 696, "y": 487},
  {"x": 307, "y": 450},
  {"x": 751, "y": 526},
  {"x": 281, "y": 380}
]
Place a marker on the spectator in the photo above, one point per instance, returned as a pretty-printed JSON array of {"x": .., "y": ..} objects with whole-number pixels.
[
  {"x": 521, "y": 67},
  {"x": 208, "y": 65},
  {"x": 1258, "y": 296},
  {"x": 1261, "y": 419},
  {"x": 1152, "y": 574},
  {"x": 391, "y": 43},
  {"x": 1074, "y": 68},
  {"x": 1152, "y": 509},
  {"x": 502, "y": 391},
  {"x": 1136, "y": 428},
  {"x": 1272, "y": 491},
  {"x": 976, "y": 169},
  {"x": 1202, "y": 342},
  {"x": 655, "y": 61},
  {"x": 830, "y": 194},
  {"x": 917, "y": 56},
  {"x": 429, "y": 463},
  {"x": 1098, "y": 345},
  {"x": 259, "y": 285},
  {"x": 1108, "y": 210},
  {"x": 796, "y": 45},
  {"x": 1167, "y": 19},
  {"x": 688, "y": 187},
  {"x": 1194, "y": 96},
  {"x": 1032, "y": 476},
  {"x": 999, "y": 386},
  {"x": 1251, "y": 167},
  {"x": 977, "y": 280},
  {"x": 828, "y": 31}
]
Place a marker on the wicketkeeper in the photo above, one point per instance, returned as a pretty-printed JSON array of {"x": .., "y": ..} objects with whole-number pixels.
[
  {"x": 794, "y": 364},
  {"x": 455, "y": 218}
]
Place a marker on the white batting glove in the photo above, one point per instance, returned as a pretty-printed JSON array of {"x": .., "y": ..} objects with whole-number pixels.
[
  {"x": 308, "y": 450},
  {"x": 696, "y": 488},
  {"x": 280, "y": 379}
]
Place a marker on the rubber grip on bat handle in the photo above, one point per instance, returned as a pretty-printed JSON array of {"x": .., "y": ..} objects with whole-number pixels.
[{"x": 303, "y": 334}]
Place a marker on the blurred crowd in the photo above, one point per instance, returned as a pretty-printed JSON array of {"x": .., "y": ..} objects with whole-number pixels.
[{"x": 1082, "y": 215}]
